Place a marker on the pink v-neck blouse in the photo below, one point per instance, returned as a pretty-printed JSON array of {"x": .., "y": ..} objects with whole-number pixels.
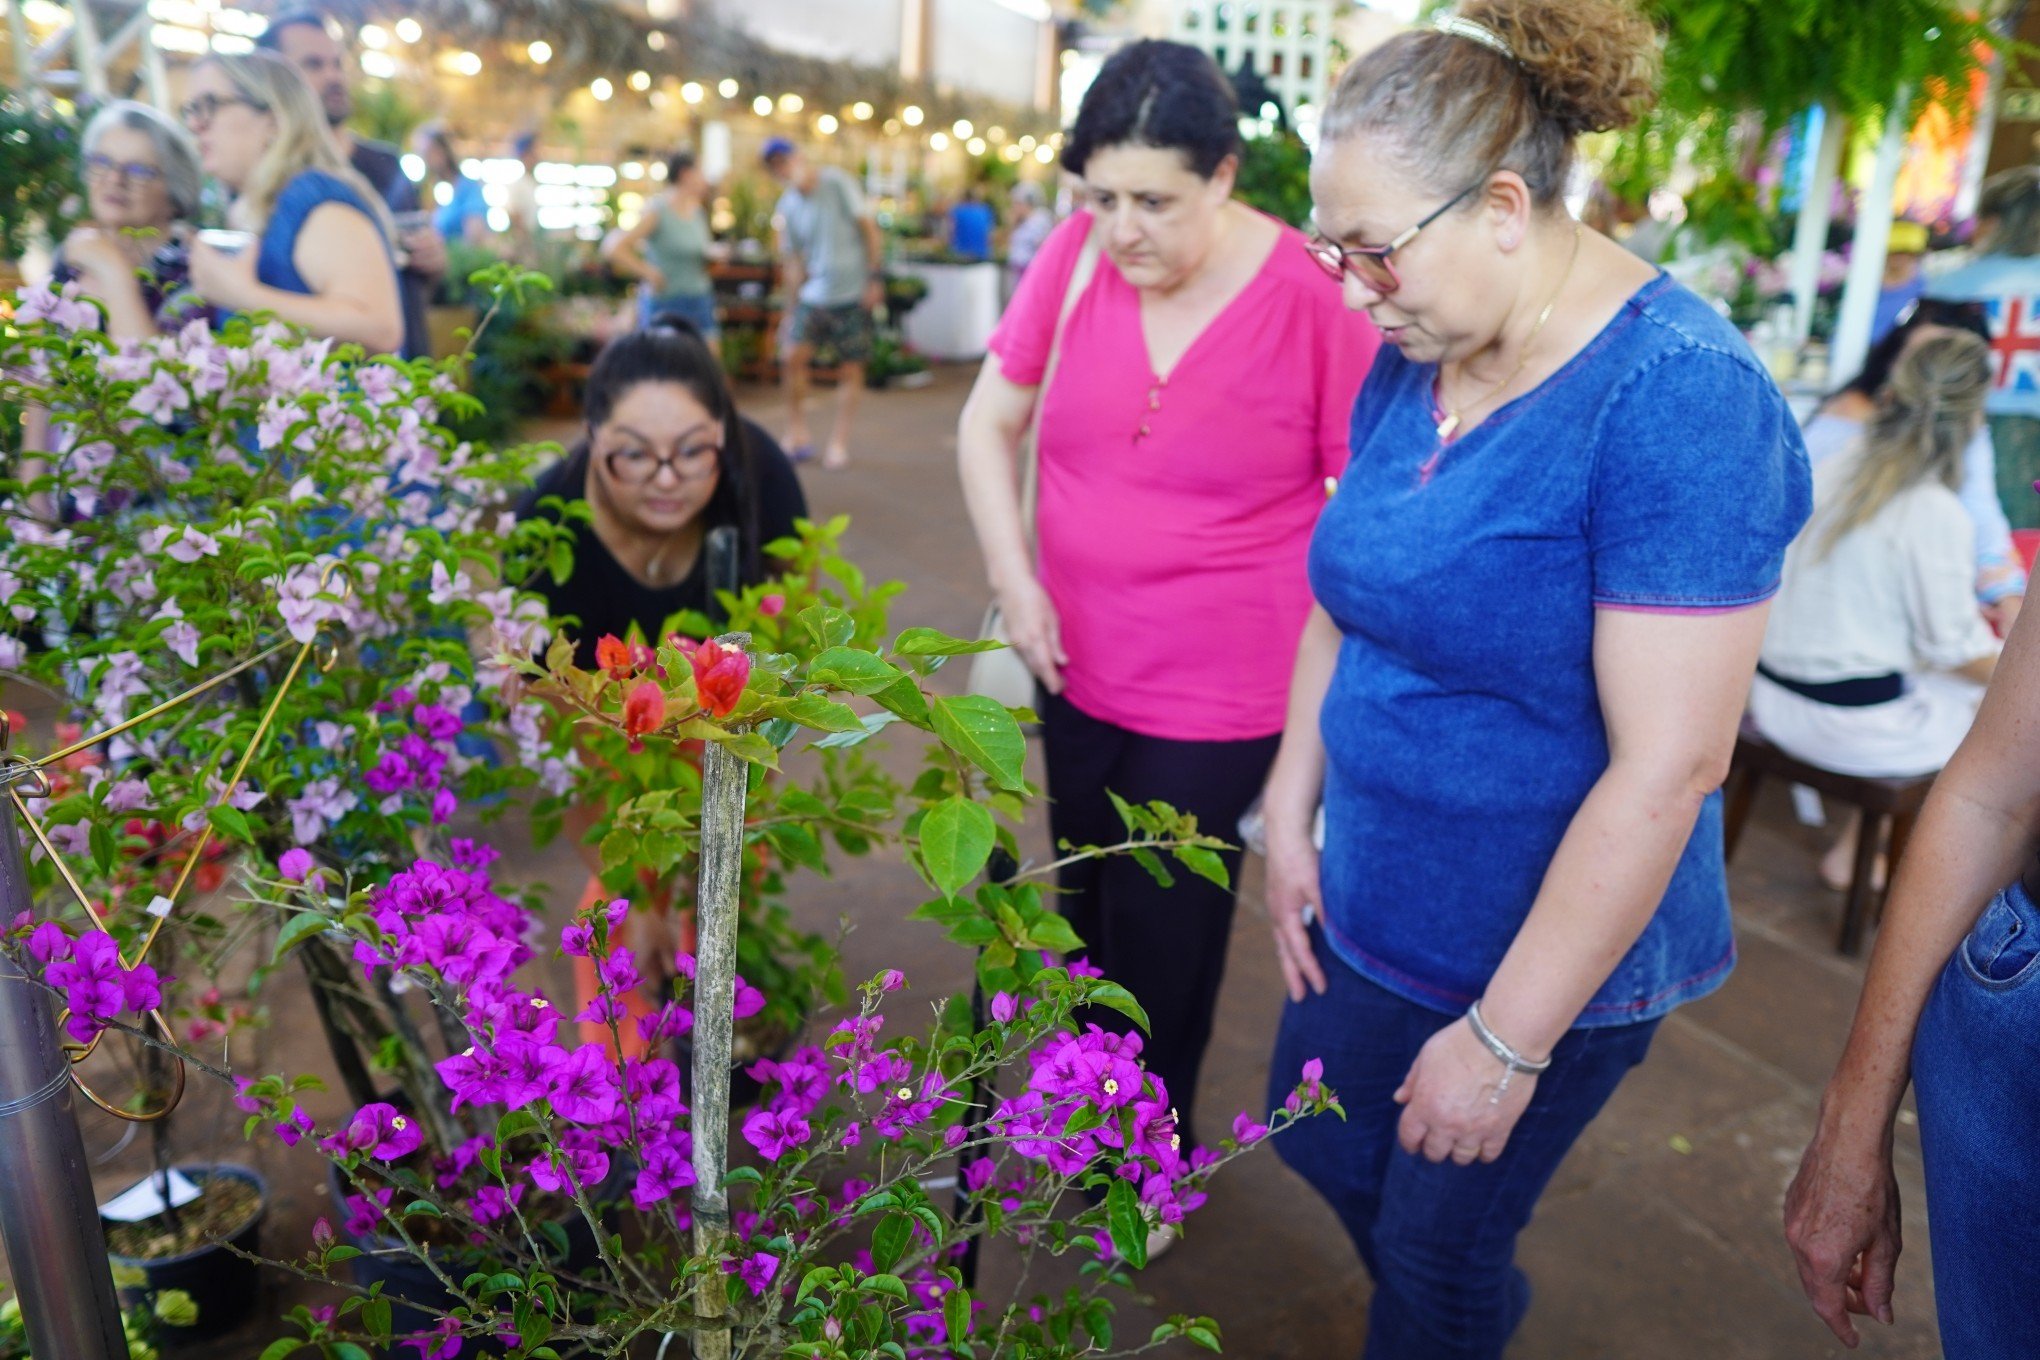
[{"x": 1176, "y": 513}]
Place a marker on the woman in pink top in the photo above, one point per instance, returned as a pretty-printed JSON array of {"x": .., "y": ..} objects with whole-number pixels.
[{"x": 1200, "y": 401}]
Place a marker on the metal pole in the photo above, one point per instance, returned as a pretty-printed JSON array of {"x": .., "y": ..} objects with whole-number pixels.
[
  {"x": 49, "y": 1220},
  {"x": 723, "y": 778}
]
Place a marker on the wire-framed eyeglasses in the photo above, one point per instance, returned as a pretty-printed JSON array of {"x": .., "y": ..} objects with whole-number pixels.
[{"x": 1371, "y": 264}]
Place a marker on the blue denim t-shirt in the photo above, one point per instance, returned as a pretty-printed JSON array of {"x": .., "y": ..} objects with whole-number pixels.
[{"x": 1658, "y": 470}]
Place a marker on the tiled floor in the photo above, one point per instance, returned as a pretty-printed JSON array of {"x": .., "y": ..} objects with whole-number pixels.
[{"x": 1659, "y": 1238}]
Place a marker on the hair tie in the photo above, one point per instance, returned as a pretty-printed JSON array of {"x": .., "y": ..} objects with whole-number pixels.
[{"x": 1474, "y": 32}]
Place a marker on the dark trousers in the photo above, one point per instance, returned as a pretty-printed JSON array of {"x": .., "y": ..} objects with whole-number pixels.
[
  {"x": 1439, "y": 1240},
  {"x": 1165, "y": 945}
]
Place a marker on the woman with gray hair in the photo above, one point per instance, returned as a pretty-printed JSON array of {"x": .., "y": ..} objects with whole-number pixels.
[{"x": 141, "y": 183}]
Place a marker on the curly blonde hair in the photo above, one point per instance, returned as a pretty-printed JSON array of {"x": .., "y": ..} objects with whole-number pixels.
[
  {"x": 304, "y": 141},
  {"x": 1452, "y": 109}
]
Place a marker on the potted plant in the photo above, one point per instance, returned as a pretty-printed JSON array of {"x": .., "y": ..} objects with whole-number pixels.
[
  {"x": 829, "y": 1252},
  {"x": 139, "y": 1324}
]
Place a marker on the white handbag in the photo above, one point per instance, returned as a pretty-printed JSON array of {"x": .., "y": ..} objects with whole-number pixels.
[{"x": 1003, "y": 675}]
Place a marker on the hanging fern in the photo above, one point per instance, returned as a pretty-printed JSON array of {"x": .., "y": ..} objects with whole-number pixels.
[{"x": 1777, "y": 57}]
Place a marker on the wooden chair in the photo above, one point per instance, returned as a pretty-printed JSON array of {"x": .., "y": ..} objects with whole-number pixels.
[{"x": 1881, "y": 801}]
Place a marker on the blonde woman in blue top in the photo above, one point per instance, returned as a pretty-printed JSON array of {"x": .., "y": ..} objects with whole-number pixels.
[
  {"x": 1541, "y": 590},
  {"x": 321, "y": 258}
]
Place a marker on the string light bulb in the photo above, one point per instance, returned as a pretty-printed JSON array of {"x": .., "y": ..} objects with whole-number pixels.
[
  {"x": 540, "y": 52},
  {"x": 912, "y": 116}
]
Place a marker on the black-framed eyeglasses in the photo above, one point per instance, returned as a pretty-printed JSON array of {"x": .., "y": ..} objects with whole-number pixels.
[
  {"x": 635, "y": 465},
  {"x": 199, "y": 112},
  {"x": 1370, "y": 264},
  {"x": 134, "y": 172}
]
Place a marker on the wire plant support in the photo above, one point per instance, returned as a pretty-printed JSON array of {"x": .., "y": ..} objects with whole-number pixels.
[{"x": 49, "y": 1217}]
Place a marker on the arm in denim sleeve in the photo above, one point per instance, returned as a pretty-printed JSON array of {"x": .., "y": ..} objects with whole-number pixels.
[{"x": 1700, "y": 481}]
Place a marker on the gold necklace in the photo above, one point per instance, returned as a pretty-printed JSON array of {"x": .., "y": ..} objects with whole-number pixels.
[{"x": 1454, "y": 414}]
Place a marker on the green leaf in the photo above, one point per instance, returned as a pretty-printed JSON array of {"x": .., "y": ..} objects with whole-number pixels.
[
  {"x": 1116, "y": 997},
  {"x": 984, "y": 733},
  {"x": 104, "y": 848},
  {"x": 277, "y": 1350},
  {"x": 859, "y": 672},
  {"x": 956, "y": 1316},
  {"x": 1150, "y": 861},
  {"x": 1204, "y": 863},
  {"x": 869, "y": 726},
  {"x": 559, "y": 560},
  {"x": 1052, "y": 932},
  {"x": 300, "y": 928},
  {"x": 1124, "y": 1221},
  {"x": 828, "y": 627},
  {"x": 514, "y": 1125},
  {"x": 890, "y": 1239},
  {"x": 750, "y": 747},
  {"x": 230, "y": 821},
  {"x": 934, "y": 642},
  {"x": 891, "y": 1285},
  {"x": 957, "y": 837},
  {"x": 823, "y": 713},
  {"x": 347, "y": 1350},
  {"x": 905, "y": 698},
  {"x": 375, "y": 1317}
]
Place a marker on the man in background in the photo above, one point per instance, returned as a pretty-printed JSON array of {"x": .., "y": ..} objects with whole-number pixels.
[
  {"x": 305, "y": 39},
  {"x": 830, "y": 253}
]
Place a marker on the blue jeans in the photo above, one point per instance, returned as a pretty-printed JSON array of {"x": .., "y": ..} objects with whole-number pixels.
[
  {"x": 699, "y": 309},
  {"x": 1976, "y": 1071},
  {"x": 1439, "y": 1240}
]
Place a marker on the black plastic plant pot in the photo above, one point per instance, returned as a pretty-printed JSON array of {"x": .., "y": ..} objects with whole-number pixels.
[
  {"x": 417, "y": 1298},
  {"x": 224, "y": 1286}
]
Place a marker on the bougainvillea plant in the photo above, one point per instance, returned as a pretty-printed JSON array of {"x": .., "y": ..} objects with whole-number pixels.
[
  {"x": 240, "y": 501},
  {"x": 1061, "y": 1141}
]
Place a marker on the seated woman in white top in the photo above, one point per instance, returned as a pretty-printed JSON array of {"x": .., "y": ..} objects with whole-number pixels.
[
  {"x": 1838, "y": 424},
  {"x": 1875, "y": 656}
]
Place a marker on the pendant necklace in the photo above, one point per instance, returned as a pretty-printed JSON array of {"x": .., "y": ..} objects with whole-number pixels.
[{"x": 1448, "y": 423}]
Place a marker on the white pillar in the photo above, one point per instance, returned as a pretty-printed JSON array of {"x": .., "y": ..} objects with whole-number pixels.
[
  {"x": 1816, "y": 214},
  {"x": 24, "y": 51},
  {"x": 86, "y": 50},
  {"x": 1866, "y": 255}
]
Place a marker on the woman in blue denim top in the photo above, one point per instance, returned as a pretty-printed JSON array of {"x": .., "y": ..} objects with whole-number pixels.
[
  {"x": 321, "y": 256},
  {"x": 1541, "y": 590}
]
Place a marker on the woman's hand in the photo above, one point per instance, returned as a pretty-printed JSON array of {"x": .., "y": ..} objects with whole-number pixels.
[
  {"x": 97, "y": 254},
  {"x": 1841, "y": 1218},
  {"x": 1449, "y": 1109},
  {"x": 1293, "y": 899},
  {"x": 654, "y": 279},
  {"x": 226, "y": 279},
  {"x": 1035, "y": 630}
]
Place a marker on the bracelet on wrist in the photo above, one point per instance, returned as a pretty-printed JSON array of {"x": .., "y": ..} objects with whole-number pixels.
[{"x": 1512, "y": 1061}]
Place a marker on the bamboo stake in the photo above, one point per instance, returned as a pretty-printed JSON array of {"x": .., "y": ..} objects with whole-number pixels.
[{"x": 723, "y": 778}]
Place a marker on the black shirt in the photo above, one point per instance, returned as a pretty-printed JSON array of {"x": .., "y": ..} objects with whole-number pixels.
[
  {"x": 604, "y": 597},
  {"x": 380, "y": 164}
]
